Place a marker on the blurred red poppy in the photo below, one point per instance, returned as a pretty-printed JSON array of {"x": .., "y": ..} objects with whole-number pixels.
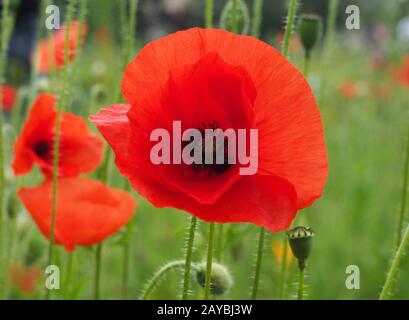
[
  {"x": 216, "y": 79},
  {"x": 55, "y": 45},
  {"x": 402, "y": 74},
  {"x": 88, "y": 211},
  {"x": 80, "y": 150},
  {"x": 25, "y": 278},
  {"x": 8, "y": 97},
  {"x": 348, "y": 89}
]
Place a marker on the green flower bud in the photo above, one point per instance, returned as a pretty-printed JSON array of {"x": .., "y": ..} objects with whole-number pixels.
[
  {"x": 310, "y": 28},
  {"x": 221, "y": 280},
  {"x": 300, "y": 239},
  {"x": 239, "y": 24}
]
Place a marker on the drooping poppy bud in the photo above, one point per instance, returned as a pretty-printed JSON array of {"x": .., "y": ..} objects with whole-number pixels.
[
  {"x": 235, "y": 17},
  {"x": 300, "y": 239},
  {"x": 221, "y": 280},
  {"x": 310, "y": 27}
]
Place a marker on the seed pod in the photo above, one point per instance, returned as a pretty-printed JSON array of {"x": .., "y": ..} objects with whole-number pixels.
[
  {"x": 300, "y": 239},
  {"x": 221, "y": 280},
  {"x": 310, "y": 28},
  {"x": 239, "y": 24}
]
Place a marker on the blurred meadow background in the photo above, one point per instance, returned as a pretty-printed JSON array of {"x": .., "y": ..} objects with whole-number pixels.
[{"x": 364, "y": 107}]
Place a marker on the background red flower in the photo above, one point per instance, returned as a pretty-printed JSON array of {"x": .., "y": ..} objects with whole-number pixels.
[
  {"x": 50, "y": 51},
  {"x": 80, "y": 150},
  {"x": 8, "y": 97},
  {"x": 88, "y": 211}
]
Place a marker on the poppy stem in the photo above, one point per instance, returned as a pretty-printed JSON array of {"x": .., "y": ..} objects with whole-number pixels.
[
  {"x": 153, "y": 282},
  {"x": 306, "y": 68},
  {"x": 6, "y": 28},
  {"x": 402, "y": 210},
  {"x": 33, "y": 73},
  {"x": 68, "y": 275},
  {"x": 60, "y": 107},
  {"x": 188, "y": 257},
  {"x": 257, "y": 17},
  {"x": 219, "y": 247},
  {"x": 283, "y": 270},
  {"x": 129, "y": 231},
  {"x": 292, "y": 10},
  {"x": 328, "y": 43},
  {"x": 234, "y": 17},
  {"x": 391, "y": 275},
  {"x": 301, "y": 284},
  {"x": 209, "y": 14},
  {"x": 209, "y": 262},
  {"x": 259, "y": 258},
  {"x": 98, "y": 257},
  {"x": 401, "y": 219}
]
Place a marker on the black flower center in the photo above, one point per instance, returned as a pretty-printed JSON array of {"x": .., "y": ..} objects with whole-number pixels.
[
  {"x": 43, "y": 149},
  {"x": 212, "y": 144}
]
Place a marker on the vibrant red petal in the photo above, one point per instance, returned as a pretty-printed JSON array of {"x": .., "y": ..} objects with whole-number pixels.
[
  {"x": 88, "y": 211},
  {"x": 80, "y": 150},
  {"x": 262, "y": 200},
  {"x": 291, "y": 138}
]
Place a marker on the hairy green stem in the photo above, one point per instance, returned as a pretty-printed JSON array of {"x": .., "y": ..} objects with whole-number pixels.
[
  {"x": 219, "y": 247},
  {"x": 209, "y": 263},
  {"x": 158, "y": 275},
  {"x": 391, "y": 275},
  {"x": 328, "y": 44},
  {"x": 40, "y": 24},
  {"x": 6, "y": 28},
  {"x": 67, "y": 281},
  {"x": 300, "y": 295},
  {"x": 234, "y": 17},
  {"x": 257, "y": 17},
  {"x": 402, "y": 210},
  {"x": 126, "y": 252},
  {"x": 60, "y": 108},
  {"x": 97, "y": 275},
  {"x": 209, "y": 14},
  {"x": 292, "y": 11},
  {"x": 259, "y": 258},
  {"x": 188, "y": 257},
  {"x": 306, "y": 68},
  {"x": 283, "y": 270}
]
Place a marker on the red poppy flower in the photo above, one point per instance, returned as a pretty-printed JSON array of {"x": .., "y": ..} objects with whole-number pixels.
[
  {"x": 55, "y": 45},
  {"x": 402, "y": 74},
  {"x": 80, "y": 150},
  {"x": 25, "y": 278},
  {"x": 88, "y": 211},
  {"x": 8, "y": 97},
  {"x": 213, "y": 78}
]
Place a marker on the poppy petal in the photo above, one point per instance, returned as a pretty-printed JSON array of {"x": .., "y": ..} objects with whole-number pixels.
[{"x": 88, "y": 211}]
